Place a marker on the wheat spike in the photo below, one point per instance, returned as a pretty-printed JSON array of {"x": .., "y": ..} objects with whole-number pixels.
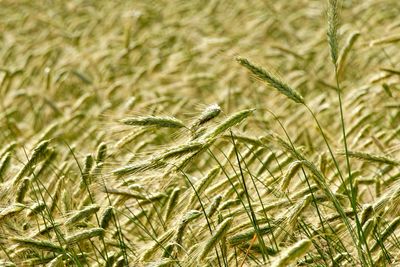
[
  {"x": 274, "y": 82},
  {"x": 292, "y": 253}
]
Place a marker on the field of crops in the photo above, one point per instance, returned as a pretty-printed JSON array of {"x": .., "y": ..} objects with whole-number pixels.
[{"x": 199, "y": 133}]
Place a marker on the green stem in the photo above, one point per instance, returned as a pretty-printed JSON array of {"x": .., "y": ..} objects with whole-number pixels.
[{"x": 352, "y": 191}]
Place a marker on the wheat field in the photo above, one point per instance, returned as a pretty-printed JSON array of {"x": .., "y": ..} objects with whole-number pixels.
[{"x": 199, "y": 133}]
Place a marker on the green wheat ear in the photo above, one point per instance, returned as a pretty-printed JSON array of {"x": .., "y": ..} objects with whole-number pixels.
[
  {"x": 223, "y": 227},
  {"x": 84, "y": 235},
  {"x": 37, "y": 244},
  {"x": 345, "y": 52},
  {"x": 166, "y": 122},
  {"x": 333, "y": 26},
  {"x": 228, "y": 123},
  {"x": 273, "y": 81},
  {"x": 292, "y": 253}
]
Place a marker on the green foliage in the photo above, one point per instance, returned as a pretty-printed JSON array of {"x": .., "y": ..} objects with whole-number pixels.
[{"x": 131, "y": 136}]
